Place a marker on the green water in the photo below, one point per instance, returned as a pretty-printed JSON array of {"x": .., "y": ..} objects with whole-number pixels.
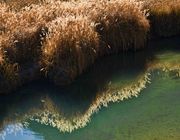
[{"x": 153, "y": 115}]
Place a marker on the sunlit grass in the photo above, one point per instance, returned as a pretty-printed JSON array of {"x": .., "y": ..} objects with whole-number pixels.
[{"x": 64, "y": 38}]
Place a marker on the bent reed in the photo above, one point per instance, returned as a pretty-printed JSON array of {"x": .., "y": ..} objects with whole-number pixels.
[{"x": 59, "y": 40}]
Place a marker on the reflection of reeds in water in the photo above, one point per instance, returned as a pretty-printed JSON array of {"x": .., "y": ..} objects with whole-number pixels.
[
  {"x": 111, "y": 93},
  {"x": 53, "y": 118},
  {"x": 49, "y": 114},
  {"x": 168, "y": 63},
  {"x": 167, "y": 67}
]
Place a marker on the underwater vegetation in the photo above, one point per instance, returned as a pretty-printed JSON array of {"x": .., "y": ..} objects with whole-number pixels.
[{"x": 59, "y": 40}]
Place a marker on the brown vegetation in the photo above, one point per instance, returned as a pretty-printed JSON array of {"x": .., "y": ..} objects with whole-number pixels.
[
  {"x": 70, "y": 47},
  {"x": 63, "y": 38}
]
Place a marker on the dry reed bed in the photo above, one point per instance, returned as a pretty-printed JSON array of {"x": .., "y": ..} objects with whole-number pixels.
[
  {"x": 64, "y": 38},
  {"x": 71, "y": 46},
  {"x": 19, "y": 44},
  {"x": 164, "y": 14},
  {"x": 76, "y": 44}
]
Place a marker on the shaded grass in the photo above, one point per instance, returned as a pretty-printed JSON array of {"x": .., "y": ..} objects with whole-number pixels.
[
  {"x": 122, "y": 25},
  {"x": 164, "y": 17},
  {"x": 9, "y": 77}
]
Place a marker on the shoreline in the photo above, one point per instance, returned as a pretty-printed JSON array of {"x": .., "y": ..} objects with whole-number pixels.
[{"x": 49, "y": 44}]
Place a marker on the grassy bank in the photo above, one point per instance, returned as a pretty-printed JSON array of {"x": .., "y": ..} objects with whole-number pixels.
[{"x": 60, "y": 39}]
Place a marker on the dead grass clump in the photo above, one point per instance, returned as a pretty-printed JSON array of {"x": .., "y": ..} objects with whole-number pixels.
[
  {"x": 164, "y": 17},
  {"x": 121, "y": 24},
  {"x": 21, "y": 35},
  {"x": 71, "y": 46},
  {"x": 74, "y": 28},
  {"x": 24, "y": 46},
  {"x": 20, "y": 44}
]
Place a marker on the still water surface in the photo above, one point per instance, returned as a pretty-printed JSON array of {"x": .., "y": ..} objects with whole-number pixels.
[{"x": 130, "y": 96}]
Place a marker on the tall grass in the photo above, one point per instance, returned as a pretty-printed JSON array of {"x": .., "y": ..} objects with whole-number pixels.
[
  {"x": 63, "y": 38},
  {"x": 121, "y": 24},
  {"x": 71, "y": 46},
  {"x": 76, "y": 38}
]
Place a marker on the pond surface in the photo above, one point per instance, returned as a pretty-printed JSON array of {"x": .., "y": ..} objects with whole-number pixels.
[{"x": 130, "y": 96}]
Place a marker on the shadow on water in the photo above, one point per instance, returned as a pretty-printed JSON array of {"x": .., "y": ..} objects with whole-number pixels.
[{"x": 77, "y": 97}]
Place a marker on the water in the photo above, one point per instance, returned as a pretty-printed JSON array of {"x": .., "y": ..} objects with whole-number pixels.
[{"x": 122, "y": 97}]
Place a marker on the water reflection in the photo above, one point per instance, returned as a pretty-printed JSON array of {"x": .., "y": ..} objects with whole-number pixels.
[
  {"x": 77, "y": 97},
  {"x": 112, "y": 78}
]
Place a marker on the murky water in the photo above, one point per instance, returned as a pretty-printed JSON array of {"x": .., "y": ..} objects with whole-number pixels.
[{"x": 130, "y": 96}]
